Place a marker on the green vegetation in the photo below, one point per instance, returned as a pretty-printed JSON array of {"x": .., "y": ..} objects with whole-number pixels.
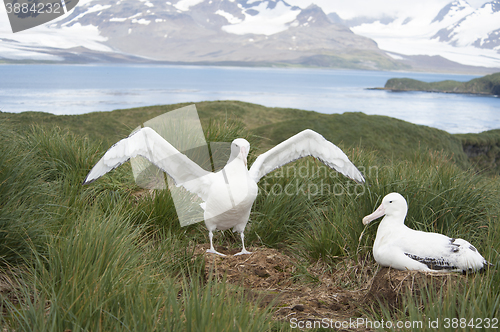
[
  {"x": 111, "y": 257},
  {"x": 391, "y": 138},
  {"x": 487, "y": 85},
  {"x": 483, "y": 150}
]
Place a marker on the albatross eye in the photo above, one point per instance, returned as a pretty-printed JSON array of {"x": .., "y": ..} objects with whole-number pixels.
[{"x": 390, "y": 201}]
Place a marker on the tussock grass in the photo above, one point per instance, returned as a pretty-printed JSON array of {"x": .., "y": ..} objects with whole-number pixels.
[
  {"x": 112, "y": 256},
  {"x": 103, "y": 277},
  {"x": 22, "y": 194},
  {"x": 270, "y": 126},
  {"x": 466, "y": 304},
  {"x": 98, "y": 258}
]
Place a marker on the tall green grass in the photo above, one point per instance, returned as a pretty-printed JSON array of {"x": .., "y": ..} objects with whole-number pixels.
[
  {"x": 112, "y": 256},
  {"x": 441, "y": 198},
  {"x": 23, "y": 194},
  {"x": 105, "y": 276},
  {"x": 469, "y": 303},
  {"x": 98, "y": 257}
]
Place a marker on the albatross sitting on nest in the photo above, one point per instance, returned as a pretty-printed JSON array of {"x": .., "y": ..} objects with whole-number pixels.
[
  {"x": 228, "y": 195},
  {"x": 403, "y": 248}
]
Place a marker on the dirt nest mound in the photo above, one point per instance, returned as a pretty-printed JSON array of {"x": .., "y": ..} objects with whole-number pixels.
[
  {"x": 389, "y": 285},
  {"x": 315, "y": 294},
  {"x": 272, "y": 277}
]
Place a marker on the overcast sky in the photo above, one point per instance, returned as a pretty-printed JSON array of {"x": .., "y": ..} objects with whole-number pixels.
[{"x": 378, "y": 8}]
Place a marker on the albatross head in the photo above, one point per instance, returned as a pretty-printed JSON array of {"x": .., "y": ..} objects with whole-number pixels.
[
  {"x": 393, "y": 205},
  {"x": 239, "y": 149}
]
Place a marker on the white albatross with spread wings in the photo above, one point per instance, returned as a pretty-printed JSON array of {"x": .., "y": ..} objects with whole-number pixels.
[
  {"x": 228, "y": 195},
  {"x": 403, "y": 248}
]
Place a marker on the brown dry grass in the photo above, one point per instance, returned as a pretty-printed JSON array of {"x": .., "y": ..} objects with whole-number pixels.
[{"x": 350, "y": 291}]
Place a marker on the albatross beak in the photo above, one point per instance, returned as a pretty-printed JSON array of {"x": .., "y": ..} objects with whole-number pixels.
[
  {"x": 377, "y": 214},
  {"x": 244, "y": 152}
]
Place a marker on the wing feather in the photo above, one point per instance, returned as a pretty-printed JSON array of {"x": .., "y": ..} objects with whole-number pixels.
[
  {"x": 450, "y": 254},
  {"x": 306, "y": 143},
  {"x": 434, "y": 263},
  {"x": 150, "y": 145}
]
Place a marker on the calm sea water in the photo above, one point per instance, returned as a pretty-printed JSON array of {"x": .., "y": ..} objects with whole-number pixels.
[{"x": 74, "y": 89}]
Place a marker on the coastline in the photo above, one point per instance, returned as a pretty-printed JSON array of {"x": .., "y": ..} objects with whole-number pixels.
[{"x": 437, "y": 91}]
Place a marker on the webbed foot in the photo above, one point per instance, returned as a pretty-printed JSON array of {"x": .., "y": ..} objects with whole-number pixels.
[
  {"x": 243, "y": 252},
  {"x": 213, "y": 251}
]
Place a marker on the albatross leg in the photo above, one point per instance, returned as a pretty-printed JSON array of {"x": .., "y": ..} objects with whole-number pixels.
[
  {"x": 212, "y": 249},
  {"x": 243, "y": 251}
]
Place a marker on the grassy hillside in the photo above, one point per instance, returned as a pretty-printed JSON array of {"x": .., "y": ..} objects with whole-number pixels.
[
  {"x": 483, "y": 150},
  {"x": 487, "y": 85},
  {"x": 111, "y": 256},
  {"x": 388, "y": 136}
]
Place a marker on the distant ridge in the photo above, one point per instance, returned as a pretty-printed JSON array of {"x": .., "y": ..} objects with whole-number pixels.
[
  {"x": 487, "y": 85},
  {"x": 387, "y": 136}
]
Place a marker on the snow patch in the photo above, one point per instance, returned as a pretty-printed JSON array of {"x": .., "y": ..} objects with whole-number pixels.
[
  {"x": 394, "y": 56},
  {"x": 84, "y": 2},
  {"x": 147, "y": 3},
  {"x": 184, "y": 5},
  {"x": 116, "y": 19},
  {"x": 134, "y": 16},
  {"x": 14, "y": 52},
  {"x": 229, "y": 17},
  {"x": 93, "y": 9},
  {"x": 468, "y": 55},
  {"x": 141, "y": 21},
  {"x": 268, "y": 22},
  {"x": 31, "y": 43}
]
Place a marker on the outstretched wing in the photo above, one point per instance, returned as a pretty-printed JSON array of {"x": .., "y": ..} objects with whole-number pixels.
[
  {"x": 150, "y": 145},
  {"x": 306, "y": 143}
]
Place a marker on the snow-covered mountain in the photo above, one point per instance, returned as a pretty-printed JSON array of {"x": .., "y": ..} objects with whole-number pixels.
[
  {"x": 458, "y": 32},
  {"x": 208, "y": 31},
  {"x": 479, "y": 28},
  {"x": 261, "y": 32}
]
